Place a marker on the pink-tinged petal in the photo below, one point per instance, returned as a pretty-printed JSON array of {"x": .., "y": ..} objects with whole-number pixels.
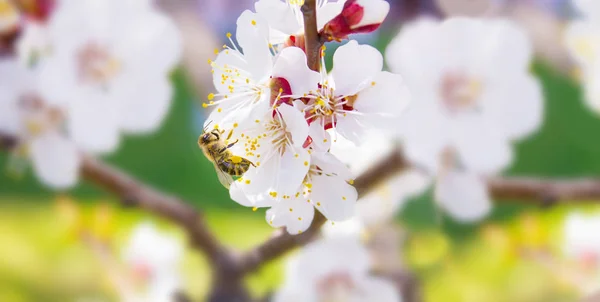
[
  {"x": 143, "y": 110},
  {"x": 328, "y": 11},
  {"x": 378, "y": 289},
  {"x": 384, "y": 100},
  {"x": 281, "y": 18},
  {"x": 354, "y": 67},
  {"x": 55, "y": 159},
  {"x": 463, "y": 195},
  {"x": 291, "y": 65},
  {"x": 357, "y": 16},
  {"x": 293, "y": 167},
  {"x": 374, "y": 12},
  {"x": 295, "y": 124},
  {"x": 253, "y": 37},
  {"x": 295, "y": 214},
  {"x": 93, "y": 123},
  {"x": 333, "y": 197},
  {"x": 515, "y": 103},
  {"x": 480, "y": 145}
]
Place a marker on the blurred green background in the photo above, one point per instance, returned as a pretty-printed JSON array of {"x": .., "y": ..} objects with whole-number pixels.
[{"x": 41, "y": 259}]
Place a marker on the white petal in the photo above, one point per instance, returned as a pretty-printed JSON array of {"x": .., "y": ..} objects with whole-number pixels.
[
  {"x": 294, "y": 294},
  {"x": 333, "y": 197},
  {"x": 281, "y": 18},
  {"x": 93, "y": 122},
  {"x": 239, "y": 195},
  {"x": 148, "y": 40},
  {"x": 321, "y": 139},
  {"x": 253, "y": 36},
  {"x": 414, "y": 52},
  {"x": 296, "y": 214},
  {"x": 330, "y": 164},
  {"x": 374, "y": 11},
  {"x": 515, "y": 103},
  {"x": 352, "y": 128},
  {"x": 233, "y": 60},
  {"x": 580, "y": 233},
  {"x": 295, "y": 124},
  {"x": 293, "y": 168},
  {"x": 481, "y": 146},
  {"x": 463, "y": 195},
  {"x": 361, "y": 157},
  {"x": 345, "y": 255},
  {"x": 378, "y": 289},
  {"x": 592, "y": 91},
  {"x": 354, "y": 67},
  {"x": 143, "y": 110},
  {"x": 291, "y": 65},
  {"x": 55, "y": 160},
  {"x": 384, "y": 100}
]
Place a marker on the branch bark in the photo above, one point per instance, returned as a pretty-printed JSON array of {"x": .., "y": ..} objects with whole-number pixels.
[{"x": 312, "y": 39}]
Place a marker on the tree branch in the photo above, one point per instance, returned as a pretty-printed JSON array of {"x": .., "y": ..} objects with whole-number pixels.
[{"x": 133, "y": 192}]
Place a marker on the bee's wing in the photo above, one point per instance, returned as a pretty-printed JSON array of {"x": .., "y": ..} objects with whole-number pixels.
[{"x": 224, "y": 177}]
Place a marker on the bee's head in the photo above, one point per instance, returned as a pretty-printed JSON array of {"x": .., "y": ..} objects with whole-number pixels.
[{"x": 209, "y": 137}]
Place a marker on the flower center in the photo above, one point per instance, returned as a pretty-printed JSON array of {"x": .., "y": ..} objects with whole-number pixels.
[
  {"x": 280, "y": 138},
  {"x": 97, "y": 65},
  {"x": 37, "y": 117},
  {"x": 240, "y": 85},
  {"x": 460, "y": 92},
  {"x": 336, "y": 287},
  {"x": 324, "y": 105}
]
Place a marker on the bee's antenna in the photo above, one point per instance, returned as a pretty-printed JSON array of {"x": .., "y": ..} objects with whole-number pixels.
[{"x": 206, "y": 126}]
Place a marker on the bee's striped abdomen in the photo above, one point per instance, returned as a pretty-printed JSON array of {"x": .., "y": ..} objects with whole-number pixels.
[{"x": 234, "y": 169}]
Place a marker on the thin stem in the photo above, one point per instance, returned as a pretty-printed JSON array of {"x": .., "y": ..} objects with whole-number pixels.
[{"x": 312, "y": 39}]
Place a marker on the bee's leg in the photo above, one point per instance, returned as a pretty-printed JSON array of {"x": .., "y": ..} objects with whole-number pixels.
[{"x": 229, "y": 146}]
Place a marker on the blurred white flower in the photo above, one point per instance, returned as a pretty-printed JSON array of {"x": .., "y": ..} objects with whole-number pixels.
[
  {"x": 242, "y": 79},
  {"x": 285, "y": 18},
  {"x": 334, "y": 269},
  {"x": 33, "y": 43},
  {"x": 152, "y": 258},
  {"x": 109, "y": 65},
  {"x": 582, "y": 38},
  {"x": 384, "y": 202},
  {"x": 581, "y": 238},
  {"x": 473, "y": 95},
  {"x": 38, "y": 125}
]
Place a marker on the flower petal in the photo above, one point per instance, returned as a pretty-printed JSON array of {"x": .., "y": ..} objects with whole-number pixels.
[
  {"x": 463, "y": 195},
  {"x": 378, "y": 289},
  {"x": 293, "y": 168},
  {"x": 333, "y": 197},
  {"x": 291, "y": 65},
  {"x": 253, "y": 36},
  {"x": 281, "y": 18},
  {"x": 94, "y": 122},
  {"x": 56, "y": 160},
  {"x": 295, "y": 214},
  {"x": 295, "y": 124},
  {"x": 354, "y": 67}
]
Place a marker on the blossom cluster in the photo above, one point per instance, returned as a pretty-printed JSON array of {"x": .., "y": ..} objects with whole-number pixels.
[
  {"x": 81, "y": 74},
  {"x": 283, "y": 117},
  {"x": 582, "y": 38}
]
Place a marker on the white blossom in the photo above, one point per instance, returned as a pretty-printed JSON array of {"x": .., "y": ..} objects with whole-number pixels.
[
  {"x": 473, "y": 95},
  {"x": 109, "y": 64},
  {"x": 582, "y": 38},
  {"x": 242, "y": 75},
  {"x": 383, "y": 202},
  {"x": 334, "y": 269},
  {"x": 152, "y": 258},
  {"x": 37, "y": 124}
]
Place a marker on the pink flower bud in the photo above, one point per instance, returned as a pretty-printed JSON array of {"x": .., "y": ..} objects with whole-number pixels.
[{"x": 357, "y": 16}]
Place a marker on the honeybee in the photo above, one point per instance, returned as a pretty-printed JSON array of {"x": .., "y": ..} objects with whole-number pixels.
[{"x": 217, "y": 151}]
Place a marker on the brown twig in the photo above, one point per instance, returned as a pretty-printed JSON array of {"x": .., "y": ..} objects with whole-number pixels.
[{"x": 312, "y": 39}]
